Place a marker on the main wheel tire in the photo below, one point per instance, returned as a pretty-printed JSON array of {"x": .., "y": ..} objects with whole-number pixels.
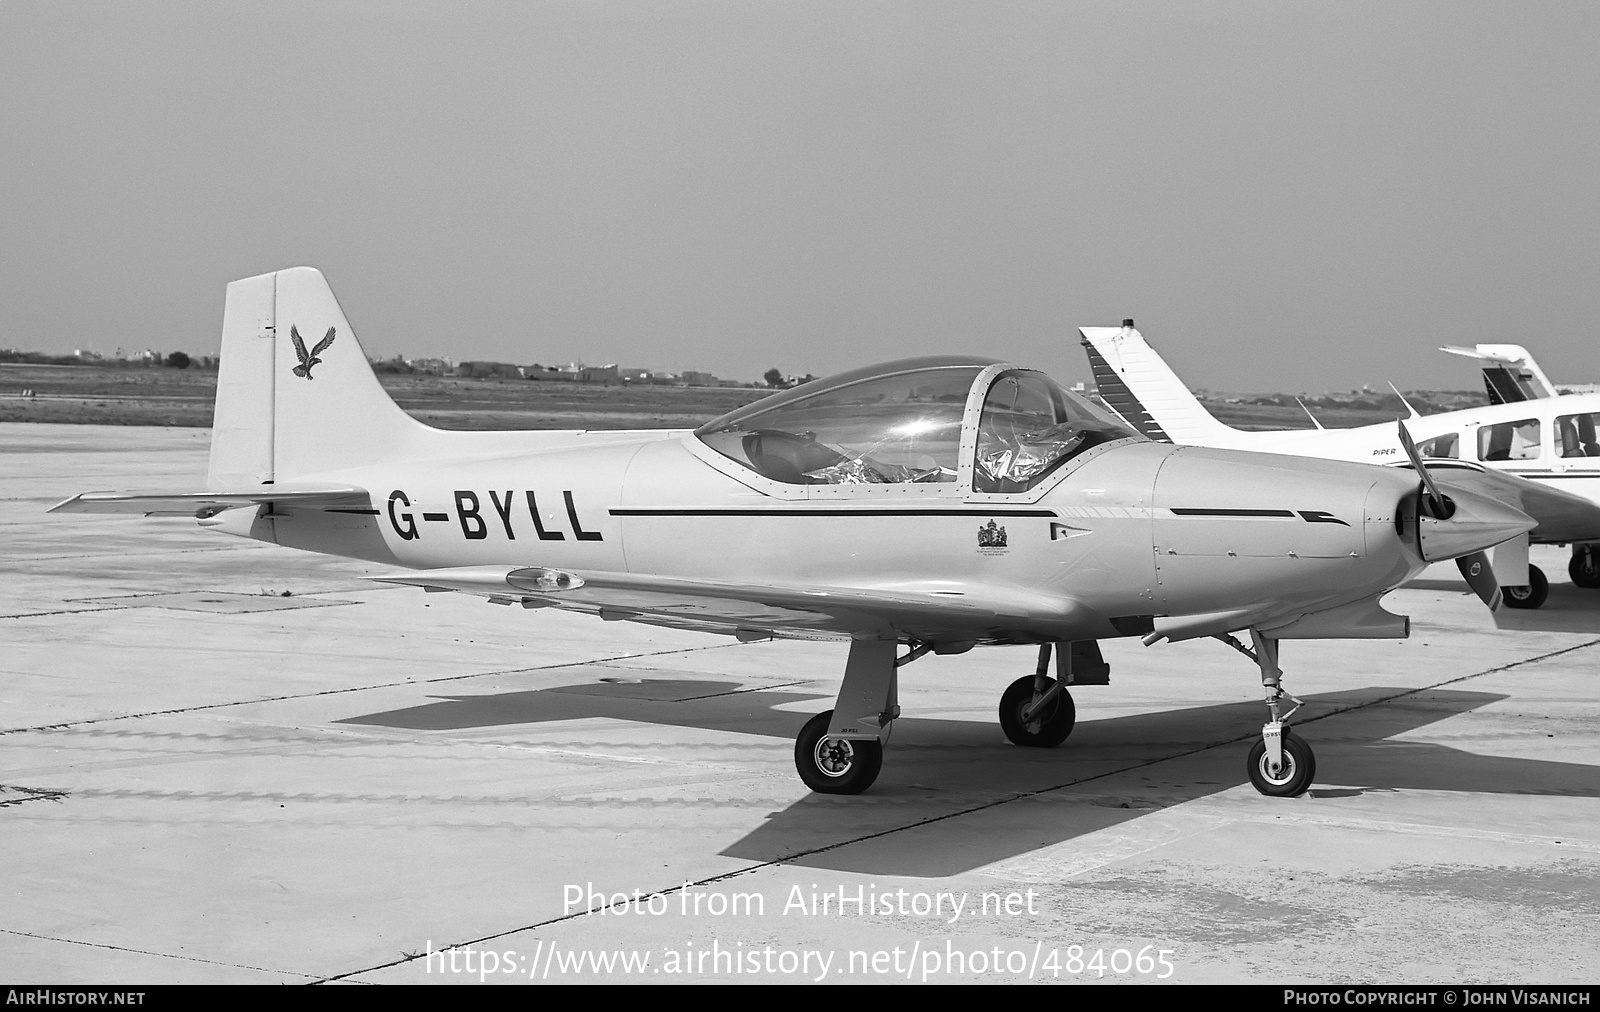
[
  {"x": 1531, "y": 596},
  {"x": 1047, "y": 729},
  {"x": 1585, "y": 569},
  {"x": 1293, "y": 779},
  {"x": 835, "y": 765}
]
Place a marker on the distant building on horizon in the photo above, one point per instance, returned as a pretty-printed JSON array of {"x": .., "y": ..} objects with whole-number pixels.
[
  {"x": 489, "y": 370},
  {"x": 431, "y": 366},
  {"x": 573, "y": 372}
]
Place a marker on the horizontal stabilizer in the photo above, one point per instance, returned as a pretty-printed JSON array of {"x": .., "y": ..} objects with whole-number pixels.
[{"x": 206, "y": 504}]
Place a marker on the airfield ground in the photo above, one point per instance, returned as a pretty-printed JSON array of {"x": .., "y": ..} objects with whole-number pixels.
[{"x": 223, "y": 761}]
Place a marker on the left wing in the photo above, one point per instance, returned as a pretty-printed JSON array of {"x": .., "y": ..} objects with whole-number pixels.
[{"x": 942, "y": 613}]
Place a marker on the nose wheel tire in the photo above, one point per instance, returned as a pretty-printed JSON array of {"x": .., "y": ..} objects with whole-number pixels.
[
  {"x": 1048, "y": 728},
  {"x": 1585, "y": 569},
  {"x": 1531, "y": 596},
  {"x": 835, "y": 765},
  {"x": 1290, "y": 780}
]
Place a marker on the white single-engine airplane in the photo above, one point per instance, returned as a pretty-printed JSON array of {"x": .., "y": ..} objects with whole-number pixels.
[
  {"x": 938, "y": 503},
  {"x": 1547, "y": 444}
]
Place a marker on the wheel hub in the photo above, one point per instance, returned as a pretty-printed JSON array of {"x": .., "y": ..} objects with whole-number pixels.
[
  {"x": 1280, "y": 775},
  {"x": 835, "y": 756},
  {"x": 1036, "y": 723}
]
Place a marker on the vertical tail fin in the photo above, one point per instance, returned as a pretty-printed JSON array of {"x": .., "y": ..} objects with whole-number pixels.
[
  {"x": 295, "y": 394},
  {"x": 1509, "y": 372},
  {"x": 1141, "y": 388}
]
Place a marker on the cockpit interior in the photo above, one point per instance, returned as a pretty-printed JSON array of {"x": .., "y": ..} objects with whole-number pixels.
[{"x": 910, "y": 422}]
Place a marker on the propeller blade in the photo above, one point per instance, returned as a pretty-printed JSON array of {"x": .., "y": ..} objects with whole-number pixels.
[
  {"x": 1439, "y": 505},
  {"x": 1475, "y": 569}
]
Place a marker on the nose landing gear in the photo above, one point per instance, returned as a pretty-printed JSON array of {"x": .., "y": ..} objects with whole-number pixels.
[{"x": 1280, "y": 765}]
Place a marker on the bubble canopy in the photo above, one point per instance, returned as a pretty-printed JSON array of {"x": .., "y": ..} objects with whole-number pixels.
[{"x": 903, "y": 422}]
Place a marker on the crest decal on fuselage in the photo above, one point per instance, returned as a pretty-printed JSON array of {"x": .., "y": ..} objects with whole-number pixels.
[{"x": 991, "y": 535}]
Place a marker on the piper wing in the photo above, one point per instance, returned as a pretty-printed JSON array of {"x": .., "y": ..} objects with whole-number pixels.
[
  {"x": 1562, "y": 516},
  {"x": 945, "y": 615},
  {"x": 207, "y": 504}
]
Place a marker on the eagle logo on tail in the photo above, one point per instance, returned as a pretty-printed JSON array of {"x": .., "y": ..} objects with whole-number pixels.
[{"x": 307, "y": 361}]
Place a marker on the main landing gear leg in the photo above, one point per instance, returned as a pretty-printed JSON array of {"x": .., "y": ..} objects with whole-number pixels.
[
  {"x": 1037, "y": 710},
  {"x": 1280, "y": 764},
  {"x": 840, "y": 751}
]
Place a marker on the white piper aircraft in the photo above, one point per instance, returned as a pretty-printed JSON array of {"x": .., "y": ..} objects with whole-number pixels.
[
  {"x": 938, "y": 503},
  {"x": 1547, "y": 443}
]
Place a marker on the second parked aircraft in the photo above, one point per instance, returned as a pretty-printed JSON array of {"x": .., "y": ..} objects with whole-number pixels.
[{"x": 1548, "y": 445}]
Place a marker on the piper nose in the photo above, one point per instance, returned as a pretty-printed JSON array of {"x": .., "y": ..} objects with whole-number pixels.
[{"x": 1478, "y": 523}]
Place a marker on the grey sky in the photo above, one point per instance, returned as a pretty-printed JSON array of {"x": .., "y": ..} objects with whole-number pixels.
[{"x": 1285, "y": 196}]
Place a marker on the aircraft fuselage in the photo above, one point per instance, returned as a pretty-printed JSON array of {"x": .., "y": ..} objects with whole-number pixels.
[{"x": 1139, "y": 529}]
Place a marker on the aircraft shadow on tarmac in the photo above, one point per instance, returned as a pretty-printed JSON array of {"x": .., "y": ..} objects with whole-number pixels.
[
  {"x": 713, "y": 705},
  {"x": 954, "y": 795}
]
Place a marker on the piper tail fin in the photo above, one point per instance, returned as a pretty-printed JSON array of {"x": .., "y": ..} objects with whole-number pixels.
[
  {"x": 296, "y": 396},
  {"x": 1509, "y": 372},
  {"x": 1144, "y": 390}
]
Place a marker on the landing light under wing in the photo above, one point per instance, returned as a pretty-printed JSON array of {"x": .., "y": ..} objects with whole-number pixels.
[
  {"x": 931, "y": 613},
  {"x": 206, "y": 504}
]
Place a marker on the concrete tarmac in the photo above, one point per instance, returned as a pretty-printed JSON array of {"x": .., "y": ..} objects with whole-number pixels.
[{"x": 222, "y": 761}]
